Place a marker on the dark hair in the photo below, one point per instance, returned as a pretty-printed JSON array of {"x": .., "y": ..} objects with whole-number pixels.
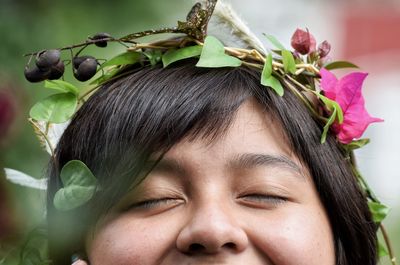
[{"x": 150, "y": 109}]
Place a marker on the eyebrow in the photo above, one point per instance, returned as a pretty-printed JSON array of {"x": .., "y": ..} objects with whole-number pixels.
[
  {"x": 246, "y": 160},
  {"x": 169, "y": 165},
  {"x": 251, "y": 160}
]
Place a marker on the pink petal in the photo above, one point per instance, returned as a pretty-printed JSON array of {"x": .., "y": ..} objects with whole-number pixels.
[
  {"x": 348, "y": 92},
  {"x": 349, "y": 130},
  {"x": 328, "y": 83},
  {"x": 356, "y": 121}
]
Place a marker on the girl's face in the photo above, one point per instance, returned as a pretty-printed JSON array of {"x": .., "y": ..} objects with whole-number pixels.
[{"x": 245, "y": 198}]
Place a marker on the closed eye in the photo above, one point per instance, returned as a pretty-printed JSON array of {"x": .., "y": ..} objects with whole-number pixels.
[
  {"x": 263, "y": 200},
  {"x": 155, "y": 203}
]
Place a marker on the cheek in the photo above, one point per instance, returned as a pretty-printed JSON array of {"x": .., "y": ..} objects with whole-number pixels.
[
  {"x": 300, "y": 237},
  {"x": 129, "y": 242}
]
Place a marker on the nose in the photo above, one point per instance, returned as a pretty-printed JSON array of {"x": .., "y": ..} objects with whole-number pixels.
[{"x": 211, "y": 230}]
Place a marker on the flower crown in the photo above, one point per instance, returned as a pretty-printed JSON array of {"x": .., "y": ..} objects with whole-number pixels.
[{"x": 306, "y": 70}]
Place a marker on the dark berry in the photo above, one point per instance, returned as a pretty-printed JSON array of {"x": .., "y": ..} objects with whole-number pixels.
[
  {"x": 76, "y": 61},
  {"x": 57, "y": 71},
  {"x": 86, "y": 69},
  {"x": 48, "y": 58},
  {"x": 100, "y": 36},
  {"x": 34, "y": 74}
]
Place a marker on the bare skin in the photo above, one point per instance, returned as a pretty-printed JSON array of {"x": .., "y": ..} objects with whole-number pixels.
[{"x": 243, "y": 199}]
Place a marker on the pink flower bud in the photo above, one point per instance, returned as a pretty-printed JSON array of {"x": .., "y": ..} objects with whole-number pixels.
[
  {"x": 323, "y": 49},
  {"x": 303, "y": 42}
]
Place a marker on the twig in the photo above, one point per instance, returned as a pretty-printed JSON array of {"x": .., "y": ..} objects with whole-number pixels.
[{"x": 388, "y": 244}]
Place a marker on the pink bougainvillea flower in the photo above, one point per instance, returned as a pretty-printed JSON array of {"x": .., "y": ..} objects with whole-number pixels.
[
  {"x": 347, "y": 93},
  {"x": 303, "y": 42}
]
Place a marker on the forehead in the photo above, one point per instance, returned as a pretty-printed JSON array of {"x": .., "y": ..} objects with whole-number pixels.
[{"x": 252, "y": 130}]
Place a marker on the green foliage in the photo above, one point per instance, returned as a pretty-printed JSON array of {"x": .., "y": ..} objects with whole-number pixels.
[
  {"x": 110, "y": 73},
  {"x": 213, "y": 55},
  {"x": 378, "y": 210},
  {"x": 267, "y": 69},
  {"x": 56, "y": 108},
  {"x": 336, "y": 114},
  {"x": 267, "y": 79},
  {"x": 339, "y": 65},
  {"x": 79, "y": 186},
  {"x": 123, "y": 59},
  {"x": 154, "y": 56},
  {"x": 61, "y": 86},
  {"x": 356, "y": 144},
  {"x": 273, "y": 83},
  {"x": 174, "y": 55},
  {"x": 32, "y": 256},
  {"x": 382, "y": 251},
  {"x": 275, "y": 42},
  {"x": 33, "y": 251},
  {"x": 289, "y": 64}
]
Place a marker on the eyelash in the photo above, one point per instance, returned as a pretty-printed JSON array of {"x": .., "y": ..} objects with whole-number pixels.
[
  {"x": 151, "y": 203},
  {"x": 258, "y": 198},
  {"x": 263, "y": 198}
]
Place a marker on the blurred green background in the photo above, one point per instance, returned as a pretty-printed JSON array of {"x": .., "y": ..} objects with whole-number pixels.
[{"x": 27, "y": 26}]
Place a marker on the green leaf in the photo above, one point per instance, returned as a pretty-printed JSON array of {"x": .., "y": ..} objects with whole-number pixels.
[
  {"x": 331, "y": 120},
  {"x": 357, "y": 144},
  {"x": 273, "y": 83},
  {"x": 382, "y": 251},
  {"x": 274, "y": 41},
  {"x": 31, "y": 256},
  {"x": 61, "y": 86},
  {"x": 337, "y": 114},
  {"x": 174, "y": 55},
  {"x": 267, "y": 69},
  {"x": 339, "y": 64},
  {"x": 378, "y": 210},
  {"x": 154, "y": 56},
  {"x": 213, "y": 55},
  {"x": 56, "y": 108},
  {"x": 123, "y": 59},
  {"x": 79, "y": 186},
  {"x": 110, "y": 73},
  {"x": 331, "y": 105},
  {"x": 289, "y": 64}
]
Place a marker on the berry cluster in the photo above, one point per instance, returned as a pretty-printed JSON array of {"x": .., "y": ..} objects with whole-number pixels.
[{"x": 49, "y": 66}]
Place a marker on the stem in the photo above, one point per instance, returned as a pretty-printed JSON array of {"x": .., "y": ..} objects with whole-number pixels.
[
  {"x": 259, "y": 66},
  {"x": 34, "y": 124},
  {"x": 297, "y": 83},
  {"x": 388, "y": 244},
  {"x": 363, "y": 182},
  {"x": 137, "y": 35},
  {"x": 86, "y": 43},
  {"x": 305, "y": 101},
  {"x": 145, "y": 45}
]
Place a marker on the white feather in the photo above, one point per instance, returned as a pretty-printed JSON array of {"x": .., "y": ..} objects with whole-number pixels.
[
  {"x": 54, "y": 133},
  {"x": 228, "y": 27},
  {"x": 17, "y": 177}
]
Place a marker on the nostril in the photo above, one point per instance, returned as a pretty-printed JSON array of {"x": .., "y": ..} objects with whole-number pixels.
[
  {"x": 195, "y": 247},
  {"x": 230, "y": 245}
]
